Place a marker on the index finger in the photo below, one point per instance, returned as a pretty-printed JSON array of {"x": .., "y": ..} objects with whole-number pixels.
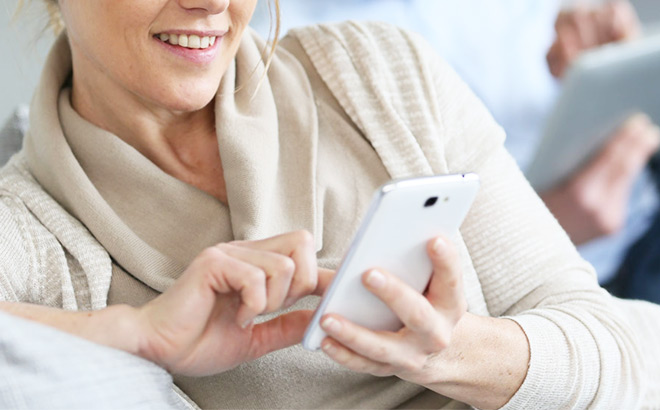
[
  {"x": 446, "y": 288},
  {"x": 623, "y": 21},
  {"x": 299, "y": 246}
]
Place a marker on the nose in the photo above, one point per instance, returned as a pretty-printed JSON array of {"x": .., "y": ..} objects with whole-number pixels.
[{"x": 208, "y": 6}]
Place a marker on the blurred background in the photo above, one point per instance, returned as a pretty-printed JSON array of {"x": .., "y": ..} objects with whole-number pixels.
[
  {"x": 25, "y": 44},
  {"x": 649, "y": 11},
  {"x": 23, "y": 49}
]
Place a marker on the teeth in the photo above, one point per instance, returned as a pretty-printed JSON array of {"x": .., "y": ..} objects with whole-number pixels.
[
  {"x": 194, "y": 41},
  {"x": 188, "y": 41}
]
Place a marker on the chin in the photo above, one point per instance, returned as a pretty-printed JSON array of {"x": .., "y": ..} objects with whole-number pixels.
[
  {"x": 181, "y": 92},
  {"x": 188, "y": 101},
  {"x": 189, "y": 105}
]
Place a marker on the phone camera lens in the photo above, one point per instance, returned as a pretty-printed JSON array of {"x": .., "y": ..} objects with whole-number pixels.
[{"x": 430, "y": 202}]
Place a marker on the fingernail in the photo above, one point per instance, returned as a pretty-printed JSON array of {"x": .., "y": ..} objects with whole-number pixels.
[
  {"x": 289, "y": 302},
  {"x": 439, "y": 246},
  {"x": 247, "y": 324},
  {"x": 328, "y": 348},
  {"x": 331, "y": 325},
  {"x": 376, "y": 279}
]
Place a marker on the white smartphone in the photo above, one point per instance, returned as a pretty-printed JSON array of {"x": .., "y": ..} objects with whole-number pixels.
[{"x": 404, "y": 215}]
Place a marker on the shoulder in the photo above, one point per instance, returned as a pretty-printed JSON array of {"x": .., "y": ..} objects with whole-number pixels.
[
  {"x": 402, "y": 95},
  {"x": 383, "y": 59},
  {"x": 369, "y": 65},
  {"x": 375, "y": 46},
  {"x": 375, "y": 33}
]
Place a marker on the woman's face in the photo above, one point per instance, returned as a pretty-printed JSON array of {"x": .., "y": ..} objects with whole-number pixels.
[{"x": 168, "y": 53}]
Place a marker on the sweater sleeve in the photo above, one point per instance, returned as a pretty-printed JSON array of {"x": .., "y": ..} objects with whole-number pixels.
[
  {"x": 14, "y": 256},
  {"x": 34, "y": 267},
  {"x": 584, "y": 352}
]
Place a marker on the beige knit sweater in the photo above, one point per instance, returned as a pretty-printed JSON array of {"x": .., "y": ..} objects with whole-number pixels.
[{"x": 85, "y": 220}]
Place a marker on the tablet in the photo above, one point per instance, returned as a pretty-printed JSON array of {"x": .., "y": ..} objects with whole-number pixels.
[{"x": 601, "y": 90}]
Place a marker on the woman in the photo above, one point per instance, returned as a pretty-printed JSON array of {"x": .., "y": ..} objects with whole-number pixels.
[{"x": 160, "y": 156}]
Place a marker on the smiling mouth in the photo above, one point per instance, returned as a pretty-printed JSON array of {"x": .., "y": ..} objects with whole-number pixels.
[{"x": 191, "y": 41}]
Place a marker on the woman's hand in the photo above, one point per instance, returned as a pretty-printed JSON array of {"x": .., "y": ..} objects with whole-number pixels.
[
  {"x": 584, "y": 28},
  {"x": 441, "y": 346},
  {"x": 428, "y": 319},
  {"x": 204, "y": 323}
]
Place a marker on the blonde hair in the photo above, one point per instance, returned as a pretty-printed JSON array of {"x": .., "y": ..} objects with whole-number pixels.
[
  {"x": 57, "y": 24},
  {"x": 273, "y": 34},
  {"x": 55, "y": 21}
]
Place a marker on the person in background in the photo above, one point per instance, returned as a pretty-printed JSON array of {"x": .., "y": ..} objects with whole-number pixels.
[{"x": 511, "y": 52}]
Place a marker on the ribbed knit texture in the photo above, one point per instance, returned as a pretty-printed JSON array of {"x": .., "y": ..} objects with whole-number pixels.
[{"x": 420, "y": 119}]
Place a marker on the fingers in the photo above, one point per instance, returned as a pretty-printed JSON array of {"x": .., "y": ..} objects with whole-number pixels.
[
  {"x": 278, "y": 270},
  {"x": 411, "y": 307},
  {"x": 226, "y": 274},
  {"x": 445, "y": 292},
  {"x": 285, "y": 265},
  {"x": 281, "y": 332},
  {"x": 356, "y": 362},
  {"x": 594, "y": 201},
  {"x": 627, "y": 151},
  {"x": 639, "y": 137},
  {"x": 571, "y": 35},
  {"x": 429, "y": 321},
  {"x": 300, "y": 247},
  {"x": 556, "y": 60},
  {"x": 395, "y": 349},
  {"x": 593, "y": 26},
  {"x": 268, "y": 274},
  {"x": 419, "y": 313},
  {"x": 304, "y": 254},
  {"x": 624, "y": 21},
  {"x": 583, "y": 28}
]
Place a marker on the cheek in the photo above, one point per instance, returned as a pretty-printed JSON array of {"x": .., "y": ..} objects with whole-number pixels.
[{"x": 241, "y": 12}]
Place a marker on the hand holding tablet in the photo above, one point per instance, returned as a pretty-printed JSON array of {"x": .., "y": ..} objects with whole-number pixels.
[{"x": 601, "y": 91}]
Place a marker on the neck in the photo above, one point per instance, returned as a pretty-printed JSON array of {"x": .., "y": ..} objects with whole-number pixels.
[{"x": 182, "y": 144}]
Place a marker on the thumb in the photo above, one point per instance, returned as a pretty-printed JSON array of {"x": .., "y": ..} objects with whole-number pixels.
[
  {"x": 283, "y": 331},
  {"x": 325, "y": 278}
]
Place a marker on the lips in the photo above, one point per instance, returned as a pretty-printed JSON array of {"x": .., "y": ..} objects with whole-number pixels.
[{"x": 200, "y": 48}]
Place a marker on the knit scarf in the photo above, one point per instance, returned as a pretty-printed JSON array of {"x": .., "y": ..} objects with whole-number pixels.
[{"x": 152, "y": 224}]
